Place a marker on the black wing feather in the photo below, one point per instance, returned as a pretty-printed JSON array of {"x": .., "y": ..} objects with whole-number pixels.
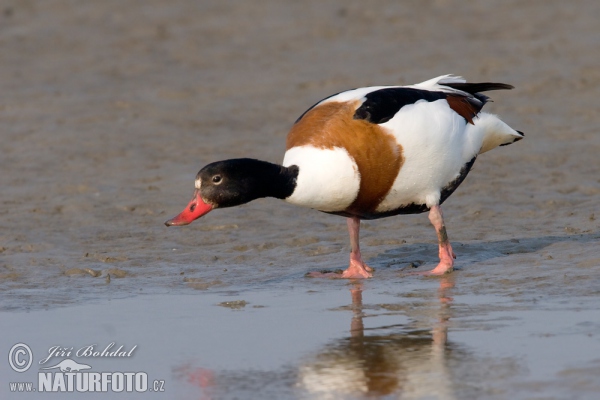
[
  {"x": 478, "y": 87},
  {"x": 381, "y": 105},
  {"x": 475, "y": 89}
]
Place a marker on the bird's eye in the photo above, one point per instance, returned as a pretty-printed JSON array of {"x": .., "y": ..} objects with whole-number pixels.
[{"x": 217, "y": 179}]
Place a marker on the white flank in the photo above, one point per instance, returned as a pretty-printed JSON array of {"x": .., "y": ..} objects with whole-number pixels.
[
  {"x": 436, "y": 145},
  {"x": 328, "y": 179}
]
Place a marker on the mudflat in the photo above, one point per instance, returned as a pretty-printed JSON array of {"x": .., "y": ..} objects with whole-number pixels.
[{"x": 108, "y": 109}]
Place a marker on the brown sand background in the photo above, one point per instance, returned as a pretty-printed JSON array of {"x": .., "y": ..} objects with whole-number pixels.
[{"x": 109, "y": 108}]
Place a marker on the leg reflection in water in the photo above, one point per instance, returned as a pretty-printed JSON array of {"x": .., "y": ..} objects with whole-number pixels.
[{"x": 408, "y": 360}]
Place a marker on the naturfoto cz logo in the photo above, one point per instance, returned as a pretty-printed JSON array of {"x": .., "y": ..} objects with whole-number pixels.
[{"x": 69, "y": 375}]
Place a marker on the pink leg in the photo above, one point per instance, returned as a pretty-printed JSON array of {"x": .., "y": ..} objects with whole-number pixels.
[
  {"x": 357, "y": 269},
  {"x": 446, "y": 254}
]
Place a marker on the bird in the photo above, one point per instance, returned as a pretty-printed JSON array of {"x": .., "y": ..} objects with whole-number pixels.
[{"x": 369, "y": 153}]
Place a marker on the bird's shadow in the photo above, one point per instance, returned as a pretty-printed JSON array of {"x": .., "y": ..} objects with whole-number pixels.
[{"x": 409, "y": 257}]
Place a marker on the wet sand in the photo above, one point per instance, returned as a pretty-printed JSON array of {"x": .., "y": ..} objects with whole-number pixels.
[{"x": 109, "y": 109}]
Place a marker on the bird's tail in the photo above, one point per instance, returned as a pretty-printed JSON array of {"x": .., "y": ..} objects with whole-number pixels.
[{"x": 495, "y": 132}]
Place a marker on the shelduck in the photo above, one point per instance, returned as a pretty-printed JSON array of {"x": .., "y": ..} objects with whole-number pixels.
[{"x": 369, "y": 153}]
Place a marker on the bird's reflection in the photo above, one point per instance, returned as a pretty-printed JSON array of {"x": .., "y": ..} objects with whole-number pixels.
[{"x": 411, "y": 363}]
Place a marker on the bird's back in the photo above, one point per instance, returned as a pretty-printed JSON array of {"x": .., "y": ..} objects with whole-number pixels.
[{"x": 379, "y": 151}]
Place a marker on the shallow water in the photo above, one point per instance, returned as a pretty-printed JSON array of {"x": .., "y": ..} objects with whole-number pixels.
[
  {"x": 424, "y": 338},
  {"x": 108, "y": 109}
]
